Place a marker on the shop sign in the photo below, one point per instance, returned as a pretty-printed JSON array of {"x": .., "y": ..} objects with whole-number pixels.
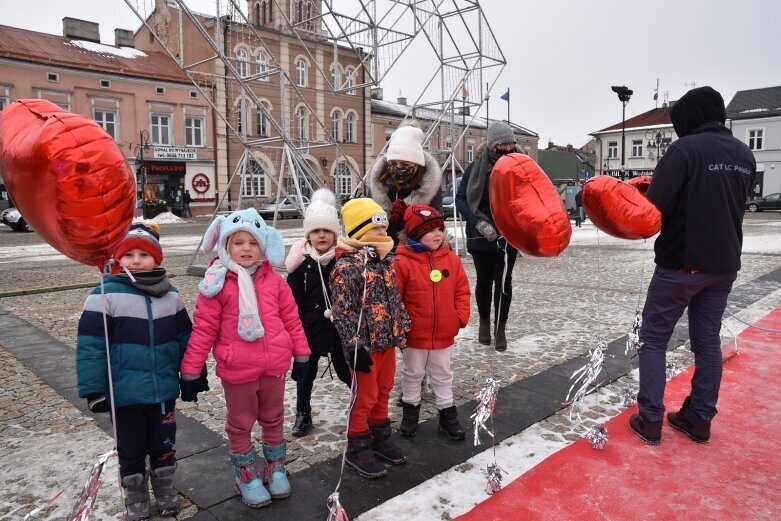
[
  {"x": 200, "y": 183},
  {"x": 175, "y": 153}
]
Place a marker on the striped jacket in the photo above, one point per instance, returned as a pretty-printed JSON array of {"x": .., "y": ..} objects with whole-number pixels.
[{"x": 147, "y": 336}]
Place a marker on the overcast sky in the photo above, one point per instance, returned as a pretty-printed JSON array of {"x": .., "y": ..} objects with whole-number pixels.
[{"x": 563, "y": 56}]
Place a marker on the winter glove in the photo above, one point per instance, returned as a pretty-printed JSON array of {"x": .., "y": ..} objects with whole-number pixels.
[
  {"x": 364, "y": 362},
  {"x": 97, "y": 403},
  {"x": 486, "y": 229},
  {"x": 192, "y": 385},
  {"x": 299, "y": 371}
]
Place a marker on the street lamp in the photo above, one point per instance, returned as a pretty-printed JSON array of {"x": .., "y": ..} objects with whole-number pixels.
[
  {"x": 143, "y": 144},
  {"x": 658, "y": 140},
  {"x": 624, "y": 93}
]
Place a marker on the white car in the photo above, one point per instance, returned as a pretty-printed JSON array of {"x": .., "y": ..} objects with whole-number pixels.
[
  {"x": 11, "y": 217},
  {"x": 286, "y": 208}
]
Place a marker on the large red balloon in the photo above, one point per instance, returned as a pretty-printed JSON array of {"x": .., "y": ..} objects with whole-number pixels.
[
  {"x": 68, "y": 178},
  {"x": 527, "y": 208},
  {"x": 642, "y": 183},
  {"x": 620, "y": 209}
]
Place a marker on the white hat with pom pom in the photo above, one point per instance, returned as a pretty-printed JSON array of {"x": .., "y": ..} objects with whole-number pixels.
[{"x": 321, "y": 213}]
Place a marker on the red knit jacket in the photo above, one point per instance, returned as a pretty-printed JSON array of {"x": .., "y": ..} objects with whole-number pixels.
[{"x": 438, "y": 309}]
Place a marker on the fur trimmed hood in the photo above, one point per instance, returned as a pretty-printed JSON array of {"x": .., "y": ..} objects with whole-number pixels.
[
  {"x": 428, "y": 189},
  {"x": 295, "y": 256}
]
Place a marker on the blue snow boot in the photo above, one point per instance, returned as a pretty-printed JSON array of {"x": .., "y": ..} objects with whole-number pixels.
[
  {"x": 247, "y": 483},
  {"x": 274, "y": 473}
]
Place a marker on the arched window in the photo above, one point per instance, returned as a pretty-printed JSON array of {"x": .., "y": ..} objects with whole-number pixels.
[
  {"x": 242, "y": 63},
  {"x": 262, "y": 120},
  {"x": 349, "y": 128},
  {"x": 301, "y": 72},
  {"x": 310, "y": 23},
  {"x": 336, "y": 118},
  {"x": 261, "y": 62},
  {"x": 256, "y": 17},
  {"x": 343, "y": 180},
  {"x": 241, "y": 117},
  {"x": 300, "y": 11},
  {"x": 267, "y": 10},
  {"x": 301, "y": 123},
  {"x": 253, "y": 180},
  {"x": 350, "y": 73},
  {"x": 336, "y": 77}
]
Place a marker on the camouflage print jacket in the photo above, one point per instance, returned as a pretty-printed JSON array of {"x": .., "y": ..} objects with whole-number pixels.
[{"x": 384, "y": 322}]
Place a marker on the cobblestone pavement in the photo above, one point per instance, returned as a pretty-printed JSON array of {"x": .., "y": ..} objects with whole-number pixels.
[{"x": 560, "y": 307}]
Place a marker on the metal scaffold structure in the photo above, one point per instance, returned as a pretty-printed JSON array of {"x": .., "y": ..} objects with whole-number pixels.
[{"x": 234, "y": 58}]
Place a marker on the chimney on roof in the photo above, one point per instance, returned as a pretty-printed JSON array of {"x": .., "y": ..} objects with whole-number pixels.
[
  {"x": 551, "y": 146},
  {"x": 80, "y": 30},
  {"x": 123, "y": 38},
  {"x": 376, "y": 93},
  {"x": 569, "y": 147},
  {"x": 402, "y": 101}
]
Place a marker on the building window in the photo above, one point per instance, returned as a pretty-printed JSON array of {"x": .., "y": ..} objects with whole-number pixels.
[
  {"x": 301, "y": 72},
  {"x": 193, "y": 131},
  {"x": 193, "y": 94},
  {"x": 261, "y": 62},
  {"x": 335, "y": 120},
  {"x": 349, "y": 128},
  {"x": 160, "y": 90},
  {"x": 253, "y": 181},
  {"x": 310, "y": 23},
  {"x": 160, "y": 129},
  {"x": 105, "y": 84},
  {"x": 301, "y": 123},
  {"x": 262, "y": 121},
  {"x": 612, "y": 149},
  {"x": 267, "y": 11},
  {"x": 470, "y": 153},
  {"x": 242, "y": 65},
  {"x": 755, "y": 138},
  {"x": 60, "y": 98},
  {"x": 241, "y": 117},
  {"x": 300, "y": 11},
  {"x": 106, "y": 119},
  {"x": 343, "y": 179},
  {"x": 637, "y": 148},
  {"x": 53, "y": 77},
  {"x": 336, "y": 77},
  {"x": 350, "y": 73}
]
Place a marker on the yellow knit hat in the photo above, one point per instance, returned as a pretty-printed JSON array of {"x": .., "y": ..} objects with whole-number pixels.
[{"x": 361, "y": 215}]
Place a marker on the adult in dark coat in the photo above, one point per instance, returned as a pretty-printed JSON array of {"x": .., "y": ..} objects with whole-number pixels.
[
  {"x": 700, "y": 186},
  {"x": 494, "y": 258},
  {"x": 579, "y": 208},
  {"x": 405, "y": 172}
]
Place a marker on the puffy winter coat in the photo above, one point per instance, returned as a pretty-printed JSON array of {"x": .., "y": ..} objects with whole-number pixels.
[
  {"x": 216, "y": 326},
  {"x": 147, "y": 337},
  {"x": 437, "y": 309},
  {"x": 304, "y": 280}
]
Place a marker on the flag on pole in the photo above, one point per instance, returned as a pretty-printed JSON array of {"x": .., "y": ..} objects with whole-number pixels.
[{"x": 506, "y": 95}]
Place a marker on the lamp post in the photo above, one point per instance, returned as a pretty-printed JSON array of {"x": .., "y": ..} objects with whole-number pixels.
[
  {"x": 143, "y": 144},
  {"x": 624, "y": 93},
  {"x": 658, "y": 140}
]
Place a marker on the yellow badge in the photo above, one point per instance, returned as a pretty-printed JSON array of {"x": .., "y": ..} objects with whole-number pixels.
[{"x": 435, "y": 275}]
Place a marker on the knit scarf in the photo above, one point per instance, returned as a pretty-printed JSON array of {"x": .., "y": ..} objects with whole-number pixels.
[
  {"x": 475, "y": 188},
  {"x": 250, "y": 326},
  {"x": 324, "y": 258},
  {"x": 381, "y": 245},
  {"x": 154, "y": 282}
]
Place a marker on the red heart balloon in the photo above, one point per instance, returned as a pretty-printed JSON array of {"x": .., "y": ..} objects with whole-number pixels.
[
  {"x": 68, "y": 178},
  {"x": 527, "y": 208},
  {"x": 620, "y": 209},
  {"x": 642, "y": 183}
]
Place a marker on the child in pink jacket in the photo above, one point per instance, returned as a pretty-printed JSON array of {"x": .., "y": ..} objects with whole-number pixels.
[{"x": 246, "y": 313}]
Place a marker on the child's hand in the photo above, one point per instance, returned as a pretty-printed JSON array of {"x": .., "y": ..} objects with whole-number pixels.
[
  {"x": 299, "y": 371},
  {"x": 364, "y": 362},
  {"x": 97, "y": 403},
  {"x": 403, "y": 343},
  {"x": 191, "y": 385}
]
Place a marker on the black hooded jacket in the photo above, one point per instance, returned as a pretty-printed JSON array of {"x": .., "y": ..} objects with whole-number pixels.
[{"x": 700, "y": 186}]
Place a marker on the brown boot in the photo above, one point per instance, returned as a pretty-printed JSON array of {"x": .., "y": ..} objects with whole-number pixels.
[
  {"x": 650, "y": 432},
  {"x": 484, "y": 333},
  {"x": 501, "y": 339}
]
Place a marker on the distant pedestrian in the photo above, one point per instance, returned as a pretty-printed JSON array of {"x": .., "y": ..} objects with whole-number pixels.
[
  {"x": 247, "y": 316},
  {"x": 494, "y": 258},
  {"x": 309, "y": 264},
  {"x": 435, "y": 291},
  {"x": 148, "y": 328},
  {"x": 579, "y": 208},
  {"x": 186, "y": 199},
  {"x": 372, "y": 322},
  {"x": 700, "y": 186}
]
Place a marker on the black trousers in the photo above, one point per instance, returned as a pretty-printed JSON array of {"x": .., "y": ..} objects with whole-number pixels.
[
  {"x": 146, "y": 430},
  {"x": 304, "y": 387},
  {"x": 489, "y": 267}
]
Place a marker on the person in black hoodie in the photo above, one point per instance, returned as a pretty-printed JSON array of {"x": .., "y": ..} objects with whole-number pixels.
[
  {"x": 700, "y": 186},
  {"x": 309, "y": 264}
]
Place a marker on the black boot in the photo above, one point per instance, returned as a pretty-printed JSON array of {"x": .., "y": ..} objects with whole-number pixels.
[
  {"x": 383, "y": 447},
  {"x": 409, "y": 421},
  {"x": 501, "y": 339},
  {"x": 448, "y": 422},
  {"x": 484, "y": 333},
  {"x": 303, "y": 424},
  {"x": 650, "y": 432},
  {"x": 361, "y": 457},
  {"x": 689, "y": 423}
]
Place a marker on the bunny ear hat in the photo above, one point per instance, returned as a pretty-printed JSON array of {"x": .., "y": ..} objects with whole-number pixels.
[{"x": 216, "y": 237}]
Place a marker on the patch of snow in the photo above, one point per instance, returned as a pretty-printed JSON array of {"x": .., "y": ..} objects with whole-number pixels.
[
  {"x": 751, "y": 111},
  {"x": 166, "y": 218},
  {"x": 122, "y": 52}
]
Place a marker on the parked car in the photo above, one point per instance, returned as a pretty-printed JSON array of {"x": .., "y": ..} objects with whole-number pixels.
[
  {"x": 11, "y": 217},
  {"x": 448, "y": 207},
  {"x": 769, "y": 202},
  {"x": 287, "y": 208}
]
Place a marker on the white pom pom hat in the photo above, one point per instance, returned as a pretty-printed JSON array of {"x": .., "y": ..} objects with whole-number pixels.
[{"x": 321, "y": 213}]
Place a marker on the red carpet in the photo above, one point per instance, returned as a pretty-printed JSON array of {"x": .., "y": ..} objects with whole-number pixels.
[{"x": 735, "y": 477}]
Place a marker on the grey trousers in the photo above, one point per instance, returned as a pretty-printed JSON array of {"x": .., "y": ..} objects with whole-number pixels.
[{"x": 669, "y": 293}]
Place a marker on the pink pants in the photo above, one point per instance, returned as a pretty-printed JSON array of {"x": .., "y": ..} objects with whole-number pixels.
[{"x": 261, "y": 401}]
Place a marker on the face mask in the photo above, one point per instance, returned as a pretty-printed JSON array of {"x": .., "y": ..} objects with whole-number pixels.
[{"x": 402, "y": 174}]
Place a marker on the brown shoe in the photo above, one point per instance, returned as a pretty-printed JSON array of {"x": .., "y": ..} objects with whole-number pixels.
[
  {"x": 650, "y": 432},
  {"x": 500, "y": 342},
  {"x": 484, "y": 333},
  {"x": 688, "y": 423}
]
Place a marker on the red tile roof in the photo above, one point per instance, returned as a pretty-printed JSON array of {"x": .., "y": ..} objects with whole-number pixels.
[
  {"x": 35, "y": 47},
  {"x": 657, "y": 116}
]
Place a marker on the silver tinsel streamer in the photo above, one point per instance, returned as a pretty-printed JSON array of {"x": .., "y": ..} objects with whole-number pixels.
[
  {"x": 83, "y": 508},
  {"x": 597, "y": 436},
  {"x": 335, "y": 510},
  {"x": 633, "y": 342},
  {"x": 486, "y": 400},
  {"x": 586, "y": 376},
  {"x": 628, "y": 395},
  {"x": 494, "y": 474},
  {"x": 671, "y": 369}
]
